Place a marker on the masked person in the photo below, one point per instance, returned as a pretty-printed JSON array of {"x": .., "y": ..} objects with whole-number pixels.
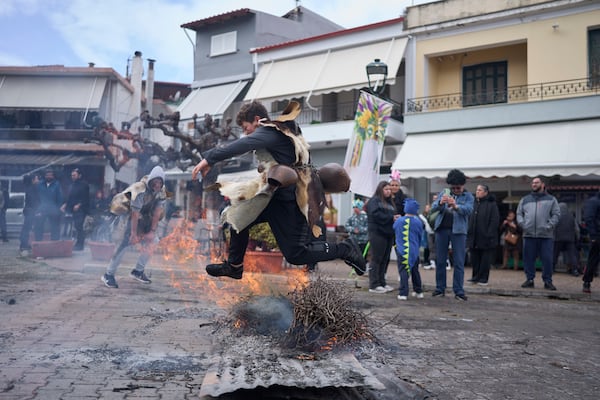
[
  {"x": 285, "y": 202},
  {"x": 146, "y": 203}
]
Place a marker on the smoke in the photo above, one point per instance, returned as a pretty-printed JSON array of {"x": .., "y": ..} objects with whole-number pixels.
[{"x": 265, "y": 315}]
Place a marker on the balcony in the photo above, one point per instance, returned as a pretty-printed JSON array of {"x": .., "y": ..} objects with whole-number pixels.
[
  {"x": 528, "y": 104},
  {"x": 513, "y": 94}
]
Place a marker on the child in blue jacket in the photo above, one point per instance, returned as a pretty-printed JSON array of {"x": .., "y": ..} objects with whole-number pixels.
[{"x": 409, "y": 231}]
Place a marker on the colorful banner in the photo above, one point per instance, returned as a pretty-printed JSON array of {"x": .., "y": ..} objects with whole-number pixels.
[{"x": 363, "y": 155}]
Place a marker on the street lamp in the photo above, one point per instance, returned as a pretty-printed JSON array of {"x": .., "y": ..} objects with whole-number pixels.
[{"x": 377, "y": 72}]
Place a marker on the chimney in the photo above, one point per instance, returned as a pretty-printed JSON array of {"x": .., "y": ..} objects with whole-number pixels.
[
  {"x": 137, "y": 70},
  {"x": 150, "y": 86},
  {"x": 91, "y": 65}
]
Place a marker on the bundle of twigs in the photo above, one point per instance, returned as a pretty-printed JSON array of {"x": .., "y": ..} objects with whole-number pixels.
[{"x": 324, "y": 317}]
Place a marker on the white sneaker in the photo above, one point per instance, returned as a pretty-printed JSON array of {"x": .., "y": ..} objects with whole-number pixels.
[
  {"x": 430, "y": 266},
  {"x": 448, "y": 266},
  {"x": 402, "y": 298},
  {"x": 417, "y": 295},
  {"x": 388, "y": 288},
  {"x": 378, "y": 289}
]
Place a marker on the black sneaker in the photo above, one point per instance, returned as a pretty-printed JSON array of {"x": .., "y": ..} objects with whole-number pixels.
[
  {"x": 437, "y": 293},
  {"x": 473, "y": 280},
  {"x": 462, "y": 297},
  {"x": 139, "y": 276},
  {"x": 549, "y": 286},
  {"x": 225, "y": 269},
  {"x": 109, "y": 281},
  {"x": 527, "y": 284},
  {"x": 587, "y": 287},
  {"x": 354, "y": 257}
]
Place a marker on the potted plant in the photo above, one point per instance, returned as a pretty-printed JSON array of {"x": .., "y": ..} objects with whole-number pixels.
[
  {"x": 100, "y": 242},
  {"x": 262, "y": 254}
]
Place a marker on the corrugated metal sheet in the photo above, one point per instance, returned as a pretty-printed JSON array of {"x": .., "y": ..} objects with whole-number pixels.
[{"x": 248, "y": 364}]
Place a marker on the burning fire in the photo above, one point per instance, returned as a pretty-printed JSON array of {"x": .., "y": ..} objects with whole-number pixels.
[{"x": 181, "y": 249}]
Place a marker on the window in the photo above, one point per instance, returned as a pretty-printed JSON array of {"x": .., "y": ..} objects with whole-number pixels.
[
  {"x": 223, "y": 44},
  {"x": 484, "y": 84},
  {"x": 594, "y": 57}
]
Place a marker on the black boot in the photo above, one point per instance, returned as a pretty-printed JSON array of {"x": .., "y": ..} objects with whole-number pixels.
[
  {"x": 225, "y": 269},
  {"x": 353, "y": 256}
]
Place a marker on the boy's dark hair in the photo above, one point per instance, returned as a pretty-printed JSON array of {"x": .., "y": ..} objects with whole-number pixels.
[
  {"x": 251, "y": 110},
  {"x": 456, "y": 177}
]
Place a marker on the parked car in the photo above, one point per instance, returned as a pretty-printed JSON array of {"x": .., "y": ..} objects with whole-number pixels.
[{"x": 14, "y": 214}]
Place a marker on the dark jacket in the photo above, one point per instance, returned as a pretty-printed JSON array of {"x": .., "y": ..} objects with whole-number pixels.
[
  {"x": 483, "y": 224},
  {"x": 538, "y": 214},
  {"x": 32, "y": 199},
  {"x": 567, "y": 229},
  {"x": 381, "y": 217},
  {"x": 399, "y": 198},
  {"x": 79, "y": 194},
  {"x": 51, "y": 198},
  {"x": 591, "y": 216}
]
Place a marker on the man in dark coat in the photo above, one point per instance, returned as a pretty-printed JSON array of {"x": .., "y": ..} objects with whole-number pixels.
[
  {"x": 566, "y": 235},
  {"x": 32, "y": 201},
  {"x": 78, "y": 204},
  {"x": 482, "y": 236},
  {"x": 591, "y": 216}
]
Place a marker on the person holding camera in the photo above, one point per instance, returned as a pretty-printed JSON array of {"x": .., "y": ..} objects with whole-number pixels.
[{"x": 455, "y": 205}]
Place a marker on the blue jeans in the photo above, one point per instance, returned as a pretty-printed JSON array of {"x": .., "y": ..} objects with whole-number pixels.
[
  {"x": 534, "y": 247},
  {"x": 443, "y": 237}
]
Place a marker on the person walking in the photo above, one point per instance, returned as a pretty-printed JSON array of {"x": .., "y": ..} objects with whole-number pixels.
[
  {"x": 32, "y": 201},
  {"x": 455, "y": 205},
  {"x": 78, "y": 205},
  {"x": 482, "y": 235},
  {"x": 537, "y": 214},
  {"x": 409, "y": 233},
  {"x": 147, "y": 203},
  {"x": 381, "y": 214},
  {"x": 591, "y": 216},
  {"x": 51, "y": 199},
  {"x": 279, "y": 145}
]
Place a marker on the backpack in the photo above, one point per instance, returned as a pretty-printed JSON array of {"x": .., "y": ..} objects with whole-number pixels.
[{"x": 431, "y": 218}]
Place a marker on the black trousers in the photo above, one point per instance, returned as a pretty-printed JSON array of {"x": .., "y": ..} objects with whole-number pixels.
[
  {"x": 291, "y": 231},
  {"x": 481, "y": 261},
  {"x": 592, "y": 262},
  {"x": 78, "y": 219}
]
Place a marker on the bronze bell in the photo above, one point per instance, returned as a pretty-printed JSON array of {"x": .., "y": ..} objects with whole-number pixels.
[
  {"x": 281, "y": 176},
  {"x": 334, "y": 178}
]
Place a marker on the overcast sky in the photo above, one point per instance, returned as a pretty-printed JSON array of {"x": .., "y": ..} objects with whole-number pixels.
[{"x": 108, "y": 32}]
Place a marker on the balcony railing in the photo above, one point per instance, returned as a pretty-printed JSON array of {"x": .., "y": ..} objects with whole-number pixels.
[{"x": 513, "y": 94}]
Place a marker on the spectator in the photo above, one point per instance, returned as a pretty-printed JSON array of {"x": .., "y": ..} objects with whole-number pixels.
[
  {"x": 482, "y": 236},
  {"x": 566, "y": 234},
  {"x": 537, "y": 214},
  {"x": 409, "y": 231},
  {"x": 78, "y": 205},
  {"x": 455, "y": 205},
  {"x": 510, "y": 225},
  {"x": 146, "y": 209},
  {"x": 100, "y": 204},
  {"x": 591, "y": 216},
  {"x": 381, "y": 214},
  {"x": 51, "y": 199},
  {"x": 357, "y": 225},
  {"x": 4, "y": 200},
  {"x": 397, "y": 194},
  {"x": 32, "y": 201},
  {"x": 426, "y": 240}
]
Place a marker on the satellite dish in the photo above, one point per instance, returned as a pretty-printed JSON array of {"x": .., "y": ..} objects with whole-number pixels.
[{"x": 177, "y": 96}]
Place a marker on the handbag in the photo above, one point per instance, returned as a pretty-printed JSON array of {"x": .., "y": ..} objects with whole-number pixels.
[{"x": 511, "y": 238}]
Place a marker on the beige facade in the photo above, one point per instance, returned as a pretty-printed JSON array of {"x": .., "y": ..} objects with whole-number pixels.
[{"x": 538, "y": 48}]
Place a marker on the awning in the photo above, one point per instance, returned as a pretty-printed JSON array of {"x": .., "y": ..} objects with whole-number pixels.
[
  {"x": 51, "y": 93},
  {"x": 566, "y": 148},
  {"x": 212, "y": 100},
  {"x": 51, "y": 159},
  {"x": 333, "y": 71}
]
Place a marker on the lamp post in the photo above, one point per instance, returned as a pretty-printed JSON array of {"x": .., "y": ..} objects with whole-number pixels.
[{"x": 377, "y": 73}]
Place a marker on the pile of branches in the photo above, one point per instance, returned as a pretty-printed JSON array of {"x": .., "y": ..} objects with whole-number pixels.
[{"x": 324, "y": 317}]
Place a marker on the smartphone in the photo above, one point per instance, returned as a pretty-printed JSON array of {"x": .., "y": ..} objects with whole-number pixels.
[{"x": 446, "y": 192}]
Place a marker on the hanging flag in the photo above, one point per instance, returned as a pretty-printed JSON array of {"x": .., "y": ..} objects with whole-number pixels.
[{"x": 363, "y": 155}]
